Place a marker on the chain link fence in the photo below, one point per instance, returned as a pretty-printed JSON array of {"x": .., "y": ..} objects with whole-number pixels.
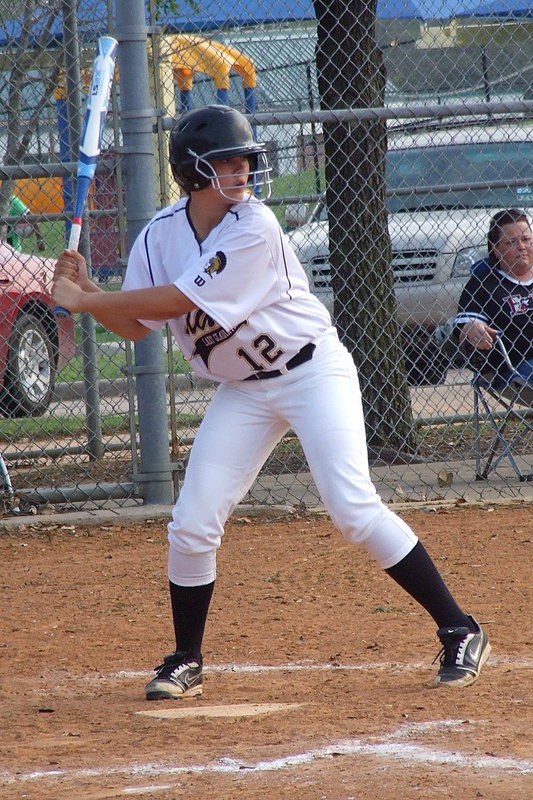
[{"x": 396, "y": 131}]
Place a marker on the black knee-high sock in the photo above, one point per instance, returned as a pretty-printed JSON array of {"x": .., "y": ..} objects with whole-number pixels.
[
  {"x": 418, "y": 575},
  {"x": 190, "y": 605}
]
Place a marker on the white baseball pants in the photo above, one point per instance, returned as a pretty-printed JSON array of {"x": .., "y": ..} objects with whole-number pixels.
[{"x": 321, "y": 401}]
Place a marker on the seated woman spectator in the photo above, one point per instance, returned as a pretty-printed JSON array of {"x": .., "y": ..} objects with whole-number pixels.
[{"x": 498, "y": 297}]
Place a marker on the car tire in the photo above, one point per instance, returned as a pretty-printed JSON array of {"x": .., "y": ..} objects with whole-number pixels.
[
  {"x": 30, "y": 370},
  {"x": 426, "y": 362}
]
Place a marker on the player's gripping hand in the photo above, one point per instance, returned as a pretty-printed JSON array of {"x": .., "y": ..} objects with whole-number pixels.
[
  {"x": 73, "y": 266},
  {"x": 67, "y": 294}
]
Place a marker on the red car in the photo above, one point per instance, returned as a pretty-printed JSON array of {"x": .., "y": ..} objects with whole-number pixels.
[{"x": 34, "y": 344}]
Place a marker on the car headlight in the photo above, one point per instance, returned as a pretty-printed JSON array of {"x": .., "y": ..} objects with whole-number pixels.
[{"x": 465, "y": 260}]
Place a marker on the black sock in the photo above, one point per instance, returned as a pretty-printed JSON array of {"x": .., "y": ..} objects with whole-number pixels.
[
  {"x": 190, "y": 605},
  {"x": 418, "y": 575}
]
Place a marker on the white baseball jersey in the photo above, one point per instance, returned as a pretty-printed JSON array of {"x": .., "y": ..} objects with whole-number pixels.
[{"x": 255, "y": 310}]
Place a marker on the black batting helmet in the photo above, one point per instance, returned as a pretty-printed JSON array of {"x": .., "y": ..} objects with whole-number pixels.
[{"x": 212, "y": 132}]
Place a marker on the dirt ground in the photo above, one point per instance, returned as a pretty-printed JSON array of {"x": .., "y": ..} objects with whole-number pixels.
[{"x": 300, "y": 620}]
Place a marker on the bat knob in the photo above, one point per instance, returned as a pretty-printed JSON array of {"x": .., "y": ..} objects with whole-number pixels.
[{"x": 61, "y": 312}]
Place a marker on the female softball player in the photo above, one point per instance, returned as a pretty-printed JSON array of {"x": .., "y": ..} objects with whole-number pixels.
[{"x": 218, "y": 269}]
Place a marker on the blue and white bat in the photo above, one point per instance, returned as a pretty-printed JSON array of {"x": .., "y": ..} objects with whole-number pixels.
[{"x": 91, "y": 137}]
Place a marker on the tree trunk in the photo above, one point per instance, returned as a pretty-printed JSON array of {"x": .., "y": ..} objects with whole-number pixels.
[{"x": 351, "y": 74}]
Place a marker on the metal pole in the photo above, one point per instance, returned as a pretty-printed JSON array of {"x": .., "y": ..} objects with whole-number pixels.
[
  {"x": 87, "y": 323},
  {"x": 485, "y": 73},
  {"x": 137, "y": 116}
]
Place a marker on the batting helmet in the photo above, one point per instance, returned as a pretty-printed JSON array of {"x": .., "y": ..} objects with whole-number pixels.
[{"x": 208, "y": 133}]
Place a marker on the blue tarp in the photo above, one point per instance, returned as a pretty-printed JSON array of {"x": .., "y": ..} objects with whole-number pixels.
[
  {"x": 272, "y": 10},
  {"x": 207, "y": 15},
  {"x": 500, "y": 8},
  {"x": 462, "y": 8},
  {"x": 215, "y": 14},
  {"x": 245, "y": 12},
  {"x": 252, "y": 11}
]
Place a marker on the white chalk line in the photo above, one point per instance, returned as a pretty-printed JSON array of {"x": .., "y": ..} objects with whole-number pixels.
[
  {"x": 376, "y": 666},
  {"x": 383, "y": 748},
  {"x": 393, "y": 746}
]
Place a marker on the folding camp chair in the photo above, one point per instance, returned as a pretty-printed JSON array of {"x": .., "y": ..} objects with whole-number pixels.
[{"x": 497, "y": 403}]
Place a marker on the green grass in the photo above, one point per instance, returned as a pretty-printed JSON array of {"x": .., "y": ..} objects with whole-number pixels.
[
  {"x": 34, "y": 429},
  {"x": 54, "y": 237},
  {"x": 108, "y": 369},
  {"x": 303, "y": 183},
  {"x": 14, "y": 430},
  {"x": 101, "y": 335}
]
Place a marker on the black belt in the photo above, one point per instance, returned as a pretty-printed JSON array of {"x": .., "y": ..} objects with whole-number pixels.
[{"x": 305, "y": 354}]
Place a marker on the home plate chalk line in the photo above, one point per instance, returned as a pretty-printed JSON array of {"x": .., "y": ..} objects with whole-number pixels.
[
  {"x": 395, "y": 746},
  {"x": 396, "y": 666},
  {"x": 391, "y": 747}
]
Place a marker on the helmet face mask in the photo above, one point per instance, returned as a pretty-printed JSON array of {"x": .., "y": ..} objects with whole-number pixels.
[
  {"x": 257, "y": 174},
  {"x": 213, "y": 133}
]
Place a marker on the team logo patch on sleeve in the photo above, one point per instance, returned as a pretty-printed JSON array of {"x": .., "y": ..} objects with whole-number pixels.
[{"x": 216, "y": 264}]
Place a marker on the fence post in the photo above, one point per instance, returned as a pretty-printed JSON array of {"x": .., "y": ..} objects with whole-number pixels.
[{"x": 156, "y": 486}]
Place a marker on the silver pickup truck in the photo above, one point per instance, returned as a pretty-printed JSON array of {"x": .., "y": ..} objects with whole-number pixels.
[{"x": 458, "y": 177}]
